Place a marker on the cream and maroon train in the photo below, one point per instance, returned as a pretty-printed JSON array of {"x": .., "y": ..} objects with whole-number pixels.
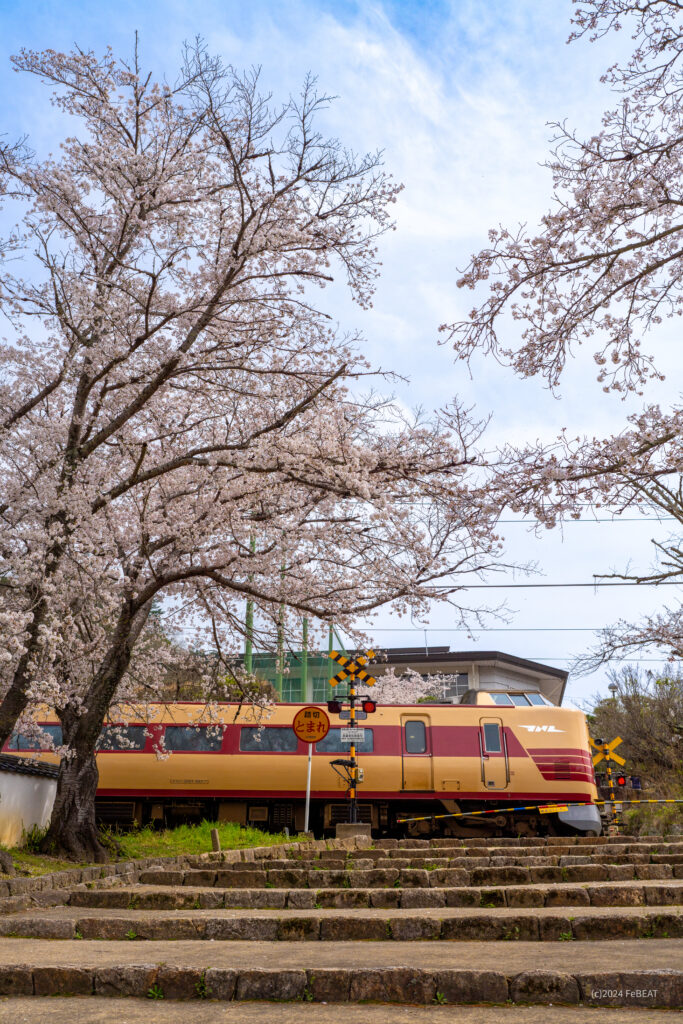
[{"x": 500, "y": 750}]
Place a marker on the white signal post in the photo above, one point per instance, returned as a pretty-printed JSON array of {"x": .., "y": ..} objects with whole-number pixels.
[
  {"x": 310, "y": 724},
  {"x": 308, "y": 787}
]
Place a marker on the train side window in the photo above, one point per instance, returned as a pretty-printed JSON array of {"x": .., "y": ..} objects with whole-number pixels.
[
  {"x": 19, "y": 741},
  {"x": 332, "y": 743},
  {"x": 519, "y": 700},
  {"x": 191, "y": 738},
  {"x": 536, "y": 699},
  {"x": 253, "y": 739},
  {"x": 492, "y": 738},
  {"x": 501, "y": 698},
  {"x": 416, "y": 738},
  {"x": 122, "y": 737}
]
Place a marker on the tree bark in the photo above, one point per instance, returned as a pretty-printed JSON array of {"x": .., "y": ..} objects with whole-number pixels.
[{"x": 73, "y": 833}]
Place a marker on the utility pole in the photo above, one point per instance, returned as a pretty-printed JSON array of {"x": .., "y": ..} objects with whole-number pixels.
[
  {"x": 249, "y": 623},
  {"x": 304, "y": 661}
]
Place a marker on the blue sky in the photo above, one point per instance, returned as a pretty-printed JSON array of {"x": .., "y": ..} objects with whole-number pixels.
[{"x": 458, "y": 95}]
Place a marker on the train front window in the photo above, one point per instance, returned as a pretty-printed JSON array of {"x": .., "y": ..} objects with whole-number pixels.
[
  {"x": 192, "y": 738},
  {"x": 332, "y": 743},
  {"x": 519, "y": 700},
  {"x": 255, "y": 740},
  {"x": 122, "y": 737},
  {"x": 416, "y": 738},
  {"x": 536, "y": 700},
  {"x": 492, "y": 738},
  {"x": 501, "y": 698}
]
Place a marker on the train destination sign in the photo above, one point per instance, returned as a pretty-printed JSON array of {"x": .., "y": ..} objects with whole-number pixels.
[
  {"x": 352, "y": 735},
  {"x": 311, "y": 724}
]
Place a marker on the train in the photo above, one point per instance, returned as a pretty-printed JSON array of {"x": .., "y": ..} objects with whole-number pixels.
[{"x": 503, "y": 752}]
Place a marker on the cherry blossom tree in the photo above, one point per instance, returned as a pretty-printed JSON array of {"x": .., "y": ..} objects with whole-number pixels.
[
  {"x": 604, "y": 269},
  {"x": 181, "y": 420},
  {"x": 175, "y": 238},
  {"x": 410, "y": 687}
]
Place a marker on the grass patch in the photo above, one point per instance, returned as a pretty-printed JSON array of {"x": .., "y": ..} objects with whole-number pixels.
[
  {"x": 34, "y": 864},
  {"x": 149, "y": 842}
]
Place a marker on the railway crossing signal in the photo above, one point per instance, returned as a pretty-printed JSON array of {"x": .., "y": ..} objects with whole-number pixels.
[
  {"x": 606, "y": 751},
  {"x": 351, "y": 667}
]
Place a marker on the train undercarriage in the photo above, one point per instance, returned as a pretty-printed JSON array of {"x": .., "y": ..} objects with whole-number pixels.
[{"x": 383, "y": 816}]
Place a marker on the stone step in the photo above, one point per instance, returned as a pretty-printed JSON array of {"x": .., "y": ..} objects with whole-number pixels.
[
  {"x": 38, "y": 1010},
  {"x": 377, "y": 925},
  {"x": 491, "y": 849},
  {"x": 614, "y": 973},
  {"x": 246, "y": 877},
  {"x": 599, "y": 894},
  {"x": 506, "y": 841},
  {"x": 432, "y": 863}
]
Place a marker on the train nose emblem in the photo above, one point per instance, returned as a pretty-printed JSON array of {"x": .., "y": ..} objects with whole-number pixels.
[{"x": 541, "y": 728}]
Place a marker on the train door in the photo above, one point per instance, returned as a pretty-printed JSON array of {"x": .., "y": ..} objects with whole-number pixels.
[
  {"x": 495, "y": 769},
  {"x": 416, "y": 753}
]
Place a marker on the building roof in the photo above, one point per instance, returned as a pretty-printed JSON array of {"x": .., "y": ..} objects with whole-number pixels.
[
  {"x": 551, "y": 681},
  {"x": 404, "y": 655},
  {"x": 27, "y": 766}
]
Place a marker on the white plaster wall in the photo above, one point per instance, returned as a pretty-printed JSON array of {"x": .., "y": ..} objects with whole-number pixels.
[{"x": 25, "y": 800}]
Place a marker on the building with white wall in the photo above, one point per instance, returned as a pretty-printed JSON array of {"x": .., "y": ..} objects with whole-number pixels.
[{"x": 27, "y": 793}]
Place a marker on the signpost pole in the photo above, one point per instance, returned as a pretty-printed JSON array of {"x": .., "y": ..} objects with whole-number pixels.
[
  {"x": 308, "y": 787},
  {"x": 353, "y": 806},
  {"x": 310, "y": 725}
]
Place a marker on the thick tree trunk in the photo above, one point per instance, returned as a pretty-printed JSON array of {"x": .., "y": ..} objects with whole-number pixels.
[{"x": 73, "y": 833}]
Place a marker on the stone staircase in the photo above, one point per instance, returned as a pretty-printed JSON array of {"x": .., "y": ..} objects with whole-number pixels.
[{"x": 437, "y": 923}]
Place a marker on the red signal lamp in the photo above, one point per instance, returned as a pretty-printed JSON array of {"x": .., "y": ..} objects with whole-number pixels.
[
  {"x": 369, "y": 706},
  {"x": 621, "y": 780},
  {"x": 334, "y": 707}
]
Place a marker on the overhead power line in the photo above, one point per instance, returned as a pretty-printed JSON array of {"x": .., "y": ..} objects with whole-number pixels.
[
  {"x": 489, "y": 629},
  {"x": 568, "y": 661},
  {"x": 615, "y": 519},
  {"x": 534, "y": 586}
]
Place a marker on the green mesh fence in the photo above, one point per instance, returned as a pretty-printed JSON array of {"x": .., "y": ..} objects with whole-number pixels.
[{"x": 318, "y": 672}]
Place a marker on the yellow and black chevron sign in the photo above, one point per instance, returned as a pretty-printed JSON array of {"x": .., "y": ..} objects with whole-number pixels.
[{"x": 352, "y": 667}]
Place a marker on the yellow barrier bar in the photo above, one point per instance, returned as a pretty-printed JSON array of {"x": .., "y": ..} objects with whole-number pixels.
[{"x": 548, "y": 808}]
